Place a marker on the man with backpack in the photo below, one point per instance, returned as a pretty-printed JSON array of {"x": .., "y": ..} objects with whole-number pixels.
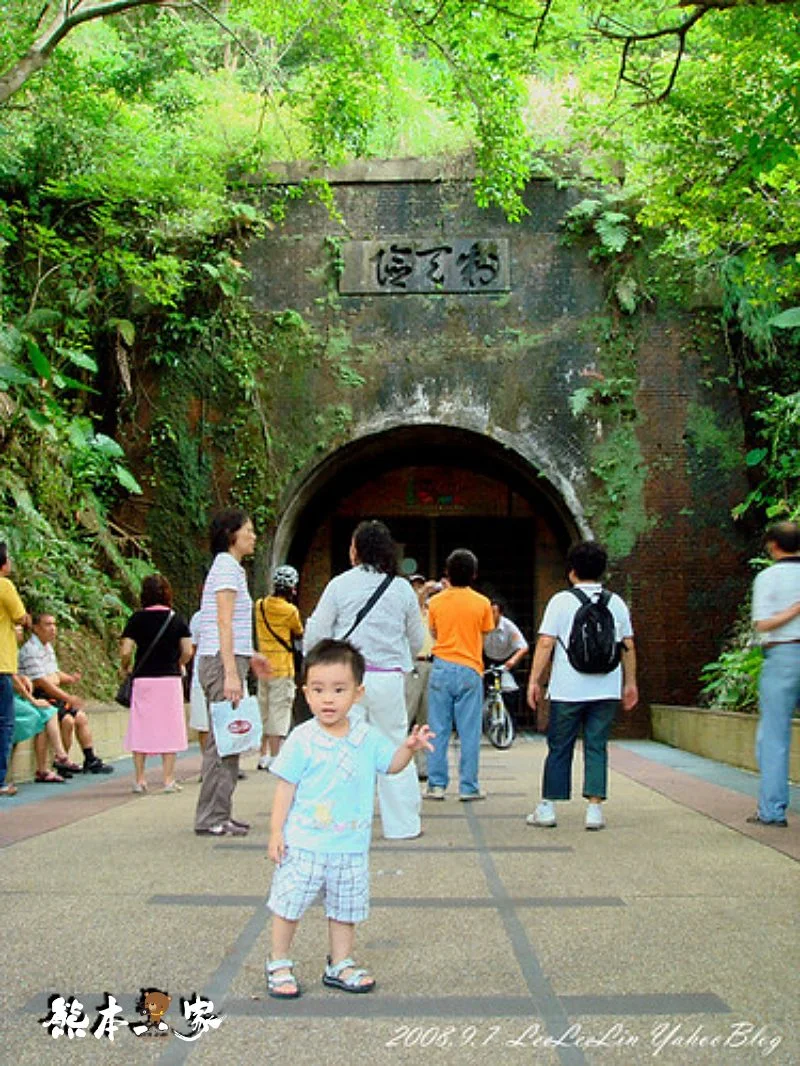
[{"x": 586, "y": 634}]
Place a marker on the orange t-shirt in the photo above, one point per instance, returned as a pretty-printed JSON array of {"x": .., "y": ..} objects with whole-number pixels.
[{"x": 460, "y": 617}]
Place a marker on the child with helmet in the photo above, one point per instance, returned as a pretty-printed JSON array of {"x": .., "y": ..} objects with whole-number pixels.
[{"x": 278, "y": 625}]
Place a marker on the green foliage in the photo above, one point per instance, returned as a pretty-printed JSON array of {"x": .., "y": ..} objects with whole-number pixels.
[
  {"x": 607, "y": 402},
  {"x": 730, "y": 683},
  {"x": 777, "y": 461},
  {"x": 126, "y": 206},
  {"x": 612, "y": 228}
]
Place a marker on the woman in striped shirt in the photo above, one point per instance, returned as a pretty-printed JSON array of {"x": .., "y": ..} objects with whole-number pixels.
[{"x": 224, "y": 655}]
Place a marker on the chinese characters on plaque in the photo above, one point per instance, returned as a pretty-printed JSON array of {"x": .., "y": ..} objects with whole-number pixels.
[{"x": 396, "y": 265}]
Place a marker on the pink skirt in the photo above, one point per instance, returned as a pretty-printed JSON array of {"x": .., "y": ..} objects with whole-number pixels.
[{"x": 157, "y": 722}]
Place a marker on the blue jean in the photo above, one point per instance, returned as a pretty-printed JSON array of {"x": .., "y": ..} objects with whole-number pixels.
[
  {"x": 6, "y": 723},
  {"x": 455, "y": 697},
  {"x": 566, "y": 719},
  {"x": 779, "y": 694}
]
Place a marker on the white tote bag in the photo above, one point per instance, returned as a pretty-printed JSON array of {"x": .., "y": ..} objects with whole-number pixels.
[{"x": 236, "y": 729}]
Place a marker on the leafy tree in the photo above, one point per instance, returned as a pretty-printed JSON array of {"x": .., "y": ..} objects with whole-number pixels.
[{"x": 122, "y": 215}]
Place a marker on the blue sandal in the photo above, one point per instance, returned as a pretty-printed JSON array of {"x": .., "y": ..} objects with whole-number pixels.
[
  {"x": 352, "y": 983},
  {"x": 277, "y": 982}
]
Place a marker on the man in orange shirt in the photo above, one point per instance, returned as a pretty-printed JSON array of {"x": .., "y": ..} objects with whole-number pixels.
[{"x": 458, "y": 617}]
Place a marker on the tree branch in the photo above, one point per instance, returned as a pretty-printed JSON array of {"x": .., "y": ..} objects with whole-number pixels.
[
  {"x": 72, "y": 15},
  {"x": 630, "y": 38},
  {"x": 727, "y": 5}
]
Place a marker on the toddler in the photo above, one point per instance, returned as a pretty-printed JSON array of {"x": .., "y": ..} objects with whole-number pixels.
[{"x": 322, "y": 816}]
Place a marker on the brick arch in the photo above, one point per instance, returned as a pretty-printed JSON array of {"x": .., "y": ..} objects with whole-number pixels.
[{"x": 437, "y": 487}]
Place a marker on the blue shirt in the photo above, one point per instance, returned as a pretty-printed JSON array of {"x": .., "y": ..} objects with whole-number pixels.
[{"x": 335, "y": 777}]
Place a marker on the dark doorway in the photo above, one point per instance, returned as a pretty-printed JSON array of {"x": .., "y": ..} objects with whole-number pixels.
[{"x": 505, "y": 548}]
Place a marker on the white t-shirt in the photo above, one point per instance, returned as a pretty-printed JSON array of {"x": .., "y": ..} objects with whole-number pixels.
[
  {"x": 226, "y": 574},
  {"x": 775, "y": 589},
  {"x": 567, "y": 683}
]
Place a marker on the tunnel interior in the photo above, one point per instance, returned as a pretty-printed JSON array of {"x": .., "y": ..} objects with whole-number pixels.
[{"x": 436, "y": 488}]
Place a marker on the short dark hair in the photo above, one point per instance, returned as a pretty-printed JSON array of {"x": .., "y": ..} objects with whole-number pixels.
[
  {"x": 785, "y": 534},
  {"x": 328, "y": 651},
  {"x": 589, "y": 559},
  {"x": 461, "y": 567},
  {"x": 375, "y": 547},
  {"x": 224, "y": 527},
  {"x": 156, "y": 591},
  {"x": 40, "y": 613},
  {"x": 3, "y": 553},
  {"x": 499, "y": 603}
]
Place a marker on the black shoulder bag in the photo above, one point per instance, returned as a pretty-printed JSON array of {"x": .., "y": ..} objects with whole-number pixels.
[
  {"x": 125, "y": 690},
  {"x": 376, "y": 595},
  {"x": 297, "y": 656}
]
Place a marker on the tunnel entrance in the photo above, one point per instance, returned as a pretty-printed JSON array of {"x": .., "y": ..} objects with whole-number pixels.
[{"x": 436, "y": 488}]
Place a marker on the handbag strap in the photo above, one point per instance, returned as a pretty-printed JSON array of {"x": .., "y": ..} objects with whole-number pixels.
[
  {"x": 280, "y": 640},
  {"x": 153, "y": 643},
  {"x": 376, "y": 595}
]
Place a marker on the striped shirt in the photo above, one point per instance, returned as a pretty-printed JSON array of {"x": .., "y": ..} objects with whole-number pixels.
[
  {"x": 37, "y": 660},
  {"x": 226, "y": 575}
]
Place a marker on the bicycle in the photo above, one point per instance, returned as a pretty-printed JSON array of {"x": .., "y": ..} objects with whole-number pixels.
[{"x": 498, "y": 725}]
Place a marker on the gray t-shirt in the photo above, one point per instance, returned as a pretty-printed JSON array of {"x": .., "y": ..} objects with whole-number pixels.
[
  {"x": 775, "y": 589},
  {"x": 503, "y": 640}
]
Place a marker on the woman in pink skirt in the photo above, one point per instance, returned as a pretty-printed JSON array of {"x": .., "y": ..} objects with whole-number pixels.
[{"x": 157, "y": 724}]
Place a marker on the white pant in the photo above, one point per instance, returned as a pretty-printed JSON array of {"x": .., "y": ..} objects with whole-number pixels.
[{"x": 399, "y": 800}]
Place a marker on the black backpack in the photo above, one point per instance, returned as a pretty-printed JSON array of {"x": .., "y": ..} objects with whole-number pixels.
[{"x": 593, "y": 647}]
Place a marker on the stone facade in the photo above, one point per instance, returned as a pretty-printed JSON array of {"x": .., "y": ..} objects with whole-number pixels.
[{"x": 481, "y": 381}]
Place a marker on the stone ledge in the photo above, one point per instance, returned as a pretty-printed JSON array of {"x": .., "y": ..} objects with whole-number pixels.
[
  {"x": 367, "y": 171},
  {"x": 722, "y": 735},
  {"x": 108, "y": 722}
]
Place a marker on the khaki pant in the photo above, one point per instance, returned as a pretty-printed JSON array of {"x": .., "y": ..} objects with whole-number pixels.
[
  {"x": 416, "y": 684},
  {"x": 275, "y": 699}
]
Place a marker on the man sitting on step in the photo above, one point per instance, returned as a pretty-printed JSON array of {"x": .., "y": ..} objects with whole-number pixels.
[{"x": 37, "y": 661}]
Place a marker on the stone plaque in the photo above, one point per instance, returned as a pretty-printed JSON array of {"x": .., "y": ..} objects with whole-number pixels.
[{"x": 397, "y": 265}]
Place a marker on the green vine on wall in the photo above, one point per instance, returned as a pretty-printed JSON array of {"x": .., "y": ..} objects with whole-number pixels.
[
  {"x": 241, "y": 408},
  {"x": 605, "y": 398}
]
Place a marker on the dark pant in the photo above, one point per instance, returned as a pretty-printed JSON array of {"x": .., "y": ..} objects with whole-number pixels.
[
  {"x": 6, "y": 723},
  {"x": 566, "y": 719}
]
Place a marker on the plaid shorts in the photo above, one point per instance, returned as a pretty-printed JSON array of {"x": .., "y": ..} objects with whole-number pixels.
[{"x": 341, "y": 878}]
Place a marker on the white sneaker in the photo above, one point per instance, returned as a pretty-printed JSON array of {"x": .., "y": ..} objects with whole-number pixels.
[
  {"x": 434, "y": 792},
  {"x": 544, "y": 815},
  {"x": 264, "y": 762},
  {"x": 594, "y": 816}
]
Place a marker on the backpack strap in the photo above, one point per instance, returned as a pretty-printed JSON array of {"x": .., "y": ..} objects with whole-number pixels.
[{"x": 582, "y": 597}]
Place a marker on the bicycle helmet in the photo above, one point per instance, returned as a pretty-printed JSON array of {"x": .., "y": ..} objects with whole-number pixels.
[{"x": 285, "y": 577}]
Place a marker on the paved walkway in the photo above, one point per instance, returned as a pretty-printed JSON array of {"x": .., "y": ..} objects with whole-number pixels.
[{"x": 670, "y": 937}]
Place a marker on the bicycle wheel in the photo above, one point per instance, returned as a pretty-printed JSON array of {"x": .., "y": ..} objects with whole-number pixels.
[{"x": 498, "y": 724}]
